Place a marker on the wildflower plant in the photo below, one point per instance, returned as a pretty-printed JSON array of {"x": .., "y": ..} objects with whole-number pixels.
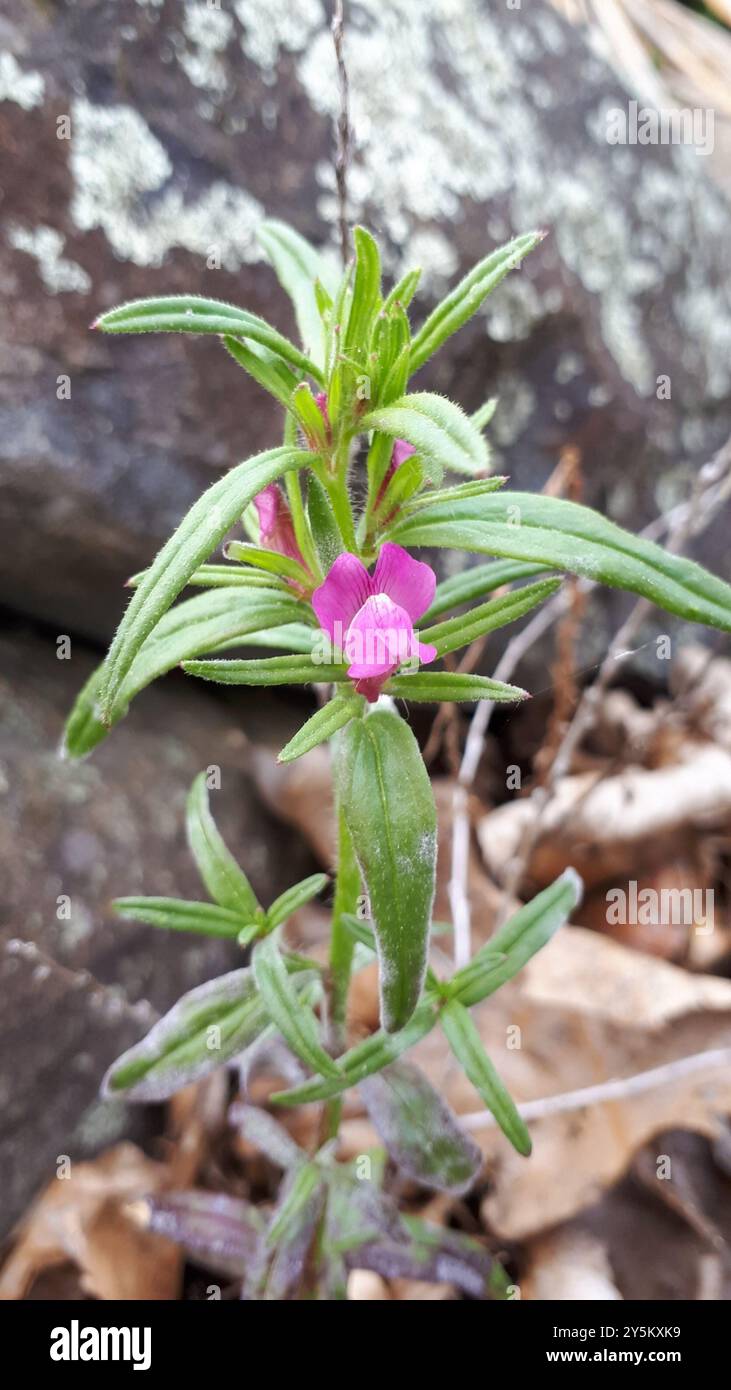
[{"x": 323, "y": 579}]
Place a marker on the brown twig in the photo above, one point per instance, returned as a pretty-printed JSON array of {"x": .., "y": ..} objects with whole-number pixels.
[
  {"x": 710, "y": 489},
  {"x": 342, "y": 131}
]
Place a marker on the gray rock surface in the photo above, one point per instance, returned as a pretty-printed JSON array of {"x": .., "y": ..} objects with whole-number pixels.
[
  {"x": 188, "y": 122},
  {"x": 74, "y": 836}
]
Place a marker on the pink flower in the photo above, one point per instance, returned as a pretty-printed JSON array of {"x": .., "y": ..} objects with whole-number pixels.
[
  {"x": 276, "y": 531},
  {"x": 399, "y": 454},
  {"x": 370, "y": 617}
]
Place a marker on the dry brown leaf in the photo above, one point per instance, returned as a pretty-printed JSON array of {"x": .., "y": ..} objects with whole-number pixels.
[
  {"x": 84, "y": 1219},
  {"x": 366, "y": 1287},
  {"x": 581, "y": 970},
  {"x": 603, "y": 825},
  {"x": 569, "y": 1266},
  {"x": 587, "y": 1010}
]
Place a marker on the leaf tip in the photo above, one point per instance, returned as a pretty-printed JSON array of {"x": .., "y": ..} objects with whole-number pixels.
[{"x": 576, "y": 882}]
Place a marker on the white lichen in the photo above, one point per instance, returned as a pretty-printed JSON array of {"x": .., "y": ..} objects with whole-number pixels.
[
  {"x": 26, "y": 89},
  {"x": 45, "y": 245},
  {"x": 123, "y": 184}
]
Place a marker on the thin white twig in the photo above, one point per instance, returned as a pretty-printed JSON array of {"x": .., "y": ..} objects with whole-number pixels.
[
  {"x": 619, "y": 1088},
  {"x": 342, "y": 130}
]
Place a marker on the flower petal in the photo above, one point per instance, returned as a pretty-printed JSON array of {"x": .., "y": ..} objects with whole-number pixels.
[
  {"x": 409, "y": 582},
  {"x": 400, "y": 452},
  {"x": 267, "y": 506},
  {"x": 344, "y": 591},
  {"x": 380, "y": 637}
]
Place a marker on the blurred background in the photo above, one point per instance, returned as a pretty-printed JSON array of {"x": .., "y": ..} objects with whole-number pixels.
[{"x": 141, "y": 142}]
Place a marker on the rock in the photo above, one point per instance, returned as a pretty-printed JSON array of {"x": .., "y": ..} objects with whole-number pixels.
[
  {"x": 187, "y": 121},
  {"x": 74, "y": 836}
]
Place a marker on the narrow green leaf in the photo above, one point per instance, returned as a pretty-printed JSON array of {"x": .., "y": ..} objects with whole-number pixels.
[
  {"x": 270, "y": 670},
  {"x": 322, "y": 725},
  {"x": 567, "y": 536},
  {"x": 222, "y": 577},
  {"x": 324, "y": 527},
  {"x": 467, "y": 297},
  {"x": 526, "y": 932},
  {"x": 497, "y": 612},
  {"x": 293, "y": 898},
  {"x": 198, "y": 534},
  {"x": 475, "y": 583},
  {"x": 271, "y": 560},
  {"x": 175, "y": 915},
  {"x": 304, "y": 1183},
  {"x": 307, "y": 412},
  {"x": 403, "y": 292},
  {"x": 366, "y": 290},
  {"x": 387, "y": 801},
  {"x": 466, "y": 1044},
  {"x": 180, "y": 313},
  {"x": 207, "y": 1027},
  {"x": 477, "y": 487},
  {"x": 365, "y": 1059},
  {"x": 222, "y": 876},
  {"x": 297, "y": 1025},
  {"x": 265, "y": 367},
  {"x": 482, "y": 417},
  {"x": 294, "y": 638},
  {"x": 453, "y": 686},
  {"x": 438, "y": 429},
  {"x": 209, "y": 622},
  {"x": 299, "y": 268},
  {"x": 420, "y": 1131}
]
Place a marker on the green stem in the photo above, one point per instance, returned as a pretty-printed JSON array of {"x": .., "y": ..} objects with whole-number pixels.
[{"x": 338, "y": 493}]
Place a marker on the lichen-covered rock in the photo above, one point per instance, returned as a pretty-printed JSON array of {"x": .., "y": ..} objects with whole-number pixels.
[
  {"x": 142, "y": 142},
  {"x": 72, "y": 837}
]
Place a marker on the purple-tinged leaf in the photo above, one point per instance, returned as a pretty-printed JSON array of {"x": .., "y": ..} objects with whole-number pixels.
[
  {"x": 420, "y": 1131},
  {"x": 219, "y": 1232},
  {"x": 266, "y": 1134}
]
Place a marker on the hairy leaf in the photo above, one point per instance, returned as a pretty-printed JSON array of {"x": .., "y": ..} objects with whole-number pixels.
[
  {"x": 365, "y": 1059},
  {"x": 438, "y": 429},
  {"x": 208, "y": 919},
  {"x": 222, "y": 876},
  {"x": 293, "y": 898},
  {"x": 322, "y": 725},
  {"x": 189, "y": 313},
  {"x": 216, "y": 1231},
  {"x": 567, "y": 536},
  {"x": 209, "y": 1026},
  {"x": 266, "y": 367},
  {"x": 198, "y": 534},
  {"x": 207, "y": 622},
  {"x": 433, "y": 686},
  {"x": 420, "y": 1131},
  {"x": 457, "y": 632},
  {"x": 387, "y": 801},
  {"x": 466, "y": 1044},
  {"x": 522, "y": 935},
  {"x": 297, "y": 1025},
  {"x": 269, "y": 670},
  {"x": 475, "y": 583},
  {"x": 298, "y": 268},
  {"x": 467, "y": 297}
]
